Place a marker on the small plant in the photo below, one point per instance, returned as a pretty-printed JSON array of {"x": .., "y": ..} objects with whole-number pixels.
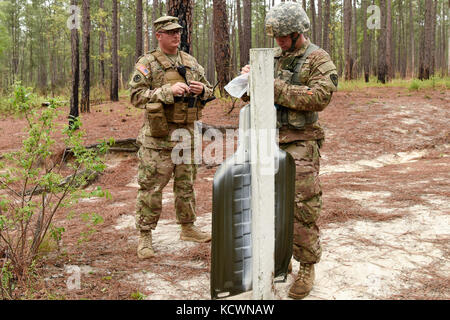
[
  {"x": 33, "y": 190},
  {"x": 415, "y": 85},
  {"x": 137, "y": 296}
]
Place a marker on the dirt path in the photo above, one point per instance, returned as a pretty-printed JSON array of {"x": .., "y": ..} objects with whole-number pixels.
[{"x": 385, "y": 223}]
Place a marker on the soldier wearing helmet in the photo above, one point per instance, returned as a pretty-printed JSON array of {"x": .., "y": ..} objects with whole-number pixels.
[
  {"x": 305, "y": 79},
  {"x": 171, "y": 87}
]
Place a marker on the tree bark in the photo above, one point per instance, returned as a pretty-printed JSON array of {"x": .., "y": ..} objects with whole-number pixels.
[
  {"x": 247, "y": 32},
  {"x": 102, "y": 45},
  {"x": 146, "y": 34},
  {"x": 389, "y": 71},
  {"x": 348, "y": 38},
  {"x": 382, "y": 44},
  {"x": 184, "y": 10},
  {"x": 139, "y": 22},
  {"x": 221, "y": 43},
  {"x": 326, "y": 27},
  {"x": 312, "y": 18},
  {"x": 154, "y": 17},
  {"x": 85, "y": 58},
  {"x": 319, "y": 23},
  {"x": 75, "y": 48},
  {"x": 412, "y": 48},
  {"x": 114, "y": 54},
  {"x": 366, "y": 47}
]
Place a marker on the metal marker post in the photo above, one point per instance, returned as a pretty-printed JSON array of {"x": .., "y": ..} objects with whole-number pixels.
[{"x": 263, "y": 123}]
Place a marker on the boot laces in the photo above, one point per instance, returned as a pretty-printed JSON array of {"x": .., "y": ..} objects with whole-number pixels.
[
  {"x": 147, "y": 239},
  {"x": 305, "y": 270}
]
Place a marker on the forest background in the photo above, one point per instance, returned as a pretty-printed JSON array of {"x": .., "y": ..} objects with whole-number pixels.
[{"x": 56, "y": 46}]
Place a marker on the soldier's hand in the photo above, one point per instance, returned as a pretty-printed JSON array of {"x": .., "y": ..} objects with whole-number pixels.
[
  {"x": 179, "y": 89},
  {"x": 196, "y": 87},
  {"x": 245, "y": 69}
]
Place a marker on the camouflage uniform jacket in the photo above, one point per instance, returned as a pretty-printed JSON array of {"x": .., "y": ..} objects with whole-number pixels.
[
  {"x": 317, "y": 80},
  {"x": 149, "y": 85}
]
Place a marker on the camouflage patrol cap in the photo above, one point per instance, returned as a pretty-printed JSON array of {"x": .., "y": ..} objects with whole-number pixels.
[
  {"x": 286, "y": 18},
  {"x": 166, "y": 23}
]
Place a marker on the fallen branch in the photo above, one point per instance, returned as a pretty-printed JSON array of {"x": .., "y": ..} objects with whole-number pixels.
[{"x": 90, "y": 174}]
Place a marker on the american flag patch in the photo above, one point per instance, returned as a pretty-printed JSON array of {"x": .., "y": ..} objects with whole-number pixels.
[{"x": 143, "y": 69}]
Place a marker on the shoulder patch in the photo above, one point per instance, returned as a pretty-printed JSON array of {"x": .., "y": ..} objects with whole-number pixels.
[
  {"x": 334, "y": 78},
  {"x": 142, "y": 69}
]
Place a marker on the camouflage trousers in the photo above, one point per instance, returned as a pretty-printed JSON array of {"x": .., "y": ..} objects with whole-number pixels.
[
  {"x": 154, "y": 172},
  {"x": 308, "y": 200}
]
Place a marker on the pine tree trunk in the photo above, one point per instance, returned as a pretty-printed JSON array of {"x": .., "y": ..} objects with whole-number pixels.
[
  {"x": 114, "y": 54},
  {"x": 313, "y": 21},
  {"x": 221, "y": 43},
  {"x": 146, "y": 34},
  {"x": 211, "y": 65},
  {"x": 154, "y": 17},
  {"x": 326, "y": 27},
  {"x": 247, "y": 32},
  {"x": 348, "y": 38},
  {"x": 139, "y": 38},
  {"x": 184, "y": 10},
  {"x": 75, "y": 48},
  {"x": 366, "y": 47},
  {"x": 102, "y": 46},
  {"x": 382, "y": 68},
  {"x": 412, "y": 47},
  {"x": 85, "y": 58},
  {"x": 427, "y": 40},
  {"x": 319, "y": 23},
  {"x": 242, "y": 55},
  {"x": 388, "y": 33}
]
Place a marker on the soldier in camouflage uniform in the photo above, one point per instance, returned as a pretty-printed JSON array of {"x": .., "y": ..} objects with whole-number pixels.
[
  {"x": 171, "y": 87},
  {"x": 305, "y": 79}
]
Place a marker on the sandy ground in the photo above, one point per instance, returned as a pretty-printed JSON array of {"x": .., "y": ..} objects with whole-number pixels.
[{"x": 385, "y": 224}]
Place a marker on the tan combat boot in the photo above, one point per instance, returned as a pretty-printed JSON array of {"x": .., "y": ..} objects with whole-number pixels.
[
  {"x": 145, "y": 249},
  {"x": 304, "y": 281},
  {"x": 189, "y": 232}
]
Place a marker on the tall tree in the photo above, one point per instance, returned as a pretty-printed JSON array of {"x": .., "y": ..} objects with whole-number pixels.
[
  {"x": 425, "y": 64},
  {"x": 412, "y": 48},
  {"x": 326, "y": 27},
  {"x": 381, "y": 71},
  {"x": 242, "y": 54},
  {"x": 114, "y": 95},
  {"x": 319, "y": 40},
  {"x": 221, "y": 43},
  {"x": 85, "y": 57},
  {"x": 366, "y": 47},
  {"x": 247, "y": 32},
  {"x": 389, "y": 67},
  {"x": 184, "y": 10},
  {"x": 75, "y": 47},
  {"x": 312, "y": 18},
  {"x": 139, "y": 21},
  {"x": 347, "y": 39},
  {"x": 146, "y": 34},
  {"x": 102, "y": 38},
  {"x": 154, "y": 17}
]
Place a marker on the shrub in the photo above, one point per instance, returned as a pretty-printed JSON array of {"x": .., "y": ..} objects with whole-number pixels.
[{"x": 33, "y": 189}]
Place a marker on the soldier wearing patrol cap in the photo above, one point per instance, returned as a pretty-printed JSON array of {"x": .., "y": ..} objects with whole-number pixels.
[
  {"x": 305, "y": 79},
  {"x": 171, "y": 87}
]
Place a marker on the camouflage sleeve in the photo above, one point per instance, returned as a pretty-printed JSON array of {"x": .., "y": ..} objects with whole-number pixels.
[
  {"x": 141, "y": 87},
  {"x": 314, "y": 96},
  {"x": 208, "y": 93}
]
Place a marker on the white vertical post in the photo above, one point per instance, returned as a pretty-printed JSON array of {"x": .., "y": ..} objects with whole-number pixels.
[{"x": 262, "y": 123}]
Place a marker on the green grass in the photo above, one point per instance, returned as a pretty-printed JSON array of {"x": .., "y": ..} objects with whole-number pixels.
[{"x": 410, "y": 84}]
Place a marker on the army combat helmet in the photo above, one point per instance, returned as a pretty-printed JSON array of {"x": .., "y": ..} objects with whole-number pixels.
[{"x": 286, "y": 18}]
